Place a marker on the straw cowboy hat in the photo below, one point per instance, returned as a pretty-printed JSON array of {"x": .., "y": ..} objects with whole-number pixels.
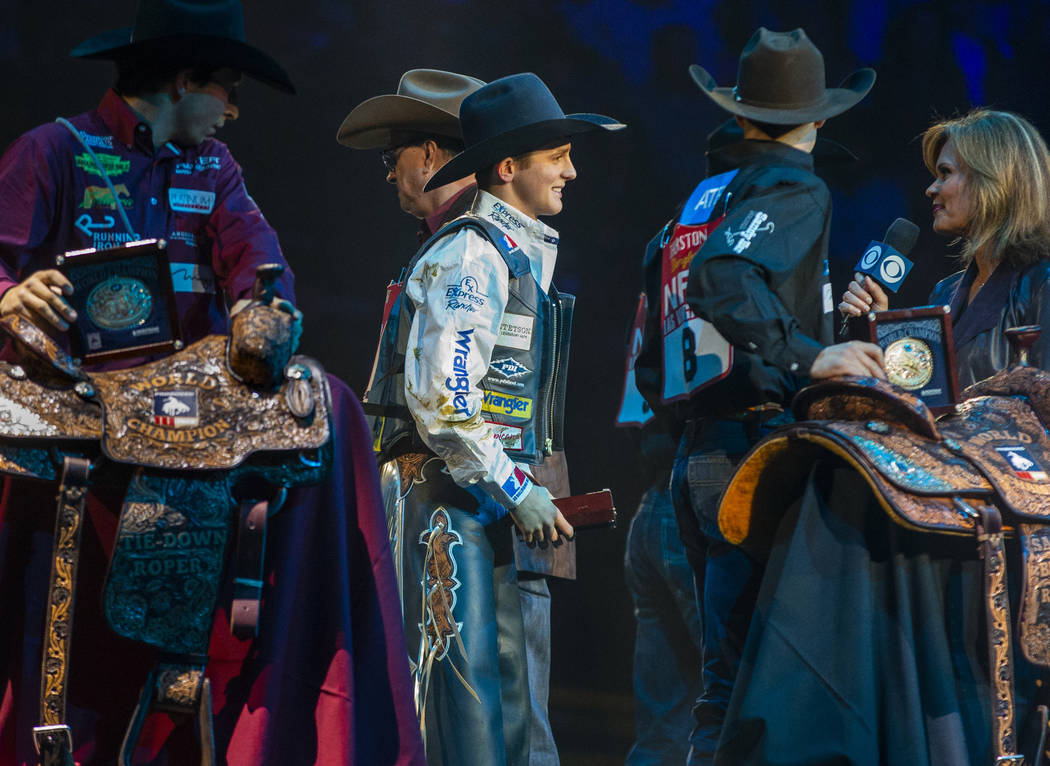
[
  {"x": 508, "y": 117},
  {"x": 781, "y": 80},
  {"x": 427, "y": 101},
  {"x": 209, "y": 32}
]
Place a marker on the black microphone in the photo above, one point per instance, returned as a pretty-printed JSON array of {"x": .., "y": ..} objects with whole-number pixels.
[{"x": 886, "y": 262}]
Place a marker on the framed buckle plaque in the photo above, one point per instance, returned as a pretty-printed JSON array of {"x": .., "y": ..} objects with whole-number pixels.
[
  {"x": 919, "y": 353},
  {"x": 124, "y": 300}
]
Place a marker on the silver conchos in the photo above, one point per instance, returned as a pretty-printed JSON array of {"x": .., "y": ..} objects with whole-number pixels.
[
  {"x": 119, "y": 303},
  {"x": 909, "y": 363}
]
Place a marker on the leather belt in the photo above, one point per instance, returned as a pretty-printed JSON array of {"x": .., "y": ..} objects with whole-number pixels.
[{"x": 53, "y": 738}]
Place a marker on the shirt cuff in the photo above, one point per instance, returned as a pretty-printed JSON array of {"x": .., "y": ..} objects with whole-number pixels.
[
  {"x": 798, "y": 355},
  {"x": 514, "y": 486}
]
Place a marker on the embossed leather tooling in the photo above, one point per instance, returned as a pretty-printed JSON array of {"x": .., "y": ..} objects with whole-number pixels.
[
  {"x": 188, "y": 439},
  {"x": 981, "y": 471}
]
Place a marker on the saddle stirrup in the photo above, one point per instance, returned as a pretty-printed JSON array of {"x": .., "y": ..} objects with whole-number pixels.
[
  {"x": 175, "y": 685},
  {"x": 53, "y": 738}
]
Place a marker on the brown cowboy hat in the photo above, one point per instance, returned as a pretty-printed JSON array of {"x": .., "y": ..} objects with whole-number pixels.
[
  {"x": 427, "y": 101},
  {"x": 781, "y": 80},
  {"x": 209, "y": 32}
]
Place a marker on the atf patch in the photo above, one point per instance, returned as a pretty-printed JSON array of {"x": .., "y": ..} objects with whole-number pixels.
[
  {"x": 440, "y": 584},
  {"x": 175, "y": 409},
  {"x": 1022, "y": 463}
]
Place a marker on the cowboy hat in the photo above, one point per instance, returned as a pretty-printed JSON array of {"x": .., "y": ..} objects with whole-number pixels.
[
  {"x": 508, "y": 117},
  {"x": 427, "y": 101},
  {"x": 209, "y": 32},
  {"x": 781, "y": 80}
]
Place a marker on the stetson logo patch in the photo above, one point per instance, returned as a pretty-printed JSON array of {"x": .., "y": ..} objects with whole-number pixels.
[
  {"x": 177, "y": 409},
  {"x": 1022, "y": 463}
]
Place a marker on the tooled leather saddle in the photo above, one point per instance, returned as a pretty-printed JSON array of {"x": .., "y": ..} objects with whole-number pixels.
[
  {"x": 981, "y": 471},
  {"x": 204, "y": 444}
]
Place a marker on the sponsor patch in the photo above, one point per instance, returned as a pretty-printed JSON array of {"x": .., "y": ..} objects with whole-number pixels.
[
  {"x": 501, "y": 215},
  {"x": 509, "y": 243},
  {"x": 209, "y": 162},
  {"x": 755, "y": 223},
  {"x": 508, "y": 436},
  {"x": 191, "y": 200},
  {"x": 101, "y": 196},
  {"x": 509, "y": 367},
  {"x": 192, "y": 278},
  {"x": 97, "y": 142},
  {"x": 185, "y": 237},
  {"x": 1022, "y": 463},
  {"x": 465, "y": 295},
  {"x": 102, "y": 232},
  {"x": 111, "y": 163},
  {"x": 518, "y": 407},
  {"x": 516, "y": 484},
  {"x": 515, "y": 331},
  {"x": 175, "y": 409},
  {"x": 458, "y": 383},
  {"x": 829, "y": 300}
]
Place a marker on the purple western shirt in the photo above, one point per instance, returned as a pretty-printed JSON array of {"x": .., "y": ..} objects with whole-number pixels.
[{"x": 56, "y": 200}]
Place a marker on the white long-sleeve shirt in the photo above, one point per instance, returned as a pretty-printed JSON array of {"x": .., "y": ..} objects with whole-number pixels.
[{"x": 460, "y": 289}]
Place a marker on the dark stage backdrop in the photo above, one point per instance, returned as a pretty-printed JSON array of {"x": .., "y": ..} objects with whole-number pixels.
[{"x": 345, "y": 236}]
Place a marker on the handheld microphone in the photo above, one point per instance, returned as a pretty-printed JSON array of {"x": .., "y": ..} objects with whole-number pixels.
[{"x": 886, "y": 262}]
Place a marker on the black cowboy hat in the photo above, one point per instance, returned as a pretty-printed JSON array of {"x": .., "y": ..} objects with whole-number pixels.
[
  {"x": 508, "y": 117},
  {"x": 427, "y": 101},
  {"x": 209, "y": 32},
  {"x": 781, "y": 80}
]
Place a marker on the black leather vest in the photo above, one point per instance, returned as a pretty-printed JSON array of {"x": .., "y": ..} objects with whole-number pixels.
[{"x": 524, "y": 388}]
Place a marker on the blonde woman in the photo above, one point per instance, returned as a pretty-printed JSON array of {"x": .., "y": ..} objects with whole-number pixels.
[{"x": 991, "y": 189}]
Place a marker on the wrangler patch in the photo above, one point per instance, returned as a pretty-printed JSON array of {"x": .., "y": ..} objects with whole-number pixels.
[{"x": 518, "y": 407}]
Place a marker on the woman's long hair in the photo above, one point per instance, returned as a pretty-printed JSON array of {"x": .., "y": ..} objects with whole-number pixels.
[{"x": 1006, "y": 168}]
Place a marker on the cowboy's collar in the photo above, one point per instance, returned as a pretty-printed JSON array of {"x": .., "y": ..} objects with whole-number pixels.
[
  {"x": 986, "y": 309},
  {"x": 128, "y": 127},
  {"x": 750, "y": 152},
  {"x": 517, "y": 225},
  {"x": 454, "y": 207}
]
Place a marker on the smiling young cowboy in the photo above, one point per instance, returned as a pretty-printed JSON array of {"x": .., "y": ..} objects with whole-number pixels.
[
  {"x": 418, "y": 130},
  {"x": 471, "y": 389}
]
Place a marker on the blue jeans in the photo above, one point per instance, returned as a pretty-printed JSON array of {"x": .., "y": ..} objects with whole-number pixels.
[
  {"x": 667, "y": 633},
  {"x": 727, "y": 579},
  {"x": 536, "y": 616}
]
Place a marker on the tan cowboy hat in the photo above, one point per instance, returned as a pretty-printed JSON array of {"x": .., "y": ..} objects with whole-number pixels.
[
  {"x": 427, "y": 101},
  {"x": 781, "y": 80}
]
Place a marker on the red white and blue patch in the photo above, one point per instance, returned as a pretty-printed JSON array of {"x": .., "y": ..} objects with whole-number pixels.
[
  {"x": 175, "y": 409},
  {"x": 509, "y": 243},
  {"x": 1022, "y": 463},
  {"x": 516, "y": 485}
]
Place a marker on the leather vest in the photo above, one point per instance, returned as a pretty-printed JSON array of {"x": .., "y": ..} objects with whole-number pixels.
[{"x": 524, "y": 388}]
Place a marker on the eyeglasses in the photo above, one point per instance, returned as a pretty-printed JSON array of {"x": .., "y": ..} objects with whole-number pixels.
[{"x": 393, "y": 154}]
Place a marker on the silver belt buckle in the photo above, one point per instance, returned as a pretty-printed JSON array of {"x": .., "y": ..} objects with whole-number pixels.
[{"x": 51, "y": 733}]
